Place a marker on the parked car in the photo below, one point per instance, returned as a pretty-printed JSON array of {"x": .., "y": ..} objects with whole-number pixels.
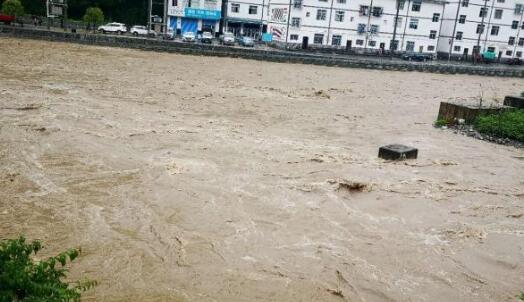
[
  {"x": 188, "y": 36},
  {"x": 6, "y": 19},
  {"x": 207, "y": 37},
  {"x": 116, "y": 28},
  {"x": 417, "y": 56},
  {"x": 247, "y": 42},
  {"x": 514, "y": 61},
  {"x": 169, "y": 35},
  {"x": 227, "y": 39},
  {"x": 139, "y": 30}
]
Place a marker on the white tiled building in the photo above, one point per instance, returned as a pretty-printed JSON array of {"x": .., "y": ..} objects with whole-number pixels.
[
  {"x": 492, "y": 25},
  {"x": 358, "y": 23},
  {"x": 245, "y": 17},
  {"x": 194, "y": 15}
]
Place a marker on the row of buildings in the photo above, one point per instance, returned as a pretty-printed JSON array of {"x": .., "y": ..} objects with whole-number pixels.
[{"x": 456, "y": 27}]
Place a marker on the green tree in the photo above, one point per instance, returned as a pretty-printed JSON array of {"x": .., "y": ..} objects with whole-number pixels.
[
  {"x": 23, "y": 279},
  {"x": 93, "y": 16},
  {"x": 13, "y": 8}
]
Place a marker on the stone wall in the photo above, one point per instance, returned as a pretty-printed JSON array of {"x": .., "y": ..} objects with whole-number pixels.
[{"x": 257, "y": 54}]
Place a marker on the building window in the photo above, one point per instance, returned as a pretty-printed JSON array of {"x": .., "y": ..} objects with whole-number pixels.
[
  {"x": 339, "y": 16},
  {"x": 253, "y": 9},
  {"x": 336, "y": 40},
  {"x": 341, "y": 1},
  {"x": 410, "y": 46},
  {"x": 318, "y": 39},
  {"x": 235, "y": 7},
  {"x": 360, "y": 42},
  {"x": 373, "y": 29},
  {"x": 372, "y": 43},
  {"x": 511, "y": 41},
  {"x": 321, "y": 14},
  {"x": 308, "y": 14},
  {"x": 433, "y": 34},
  {"x": 394, "y": 44},
  {"x": 293, "y": 37},
  {"x": 174, "y": 3},
  {"x": 462, "y": 19},
  {"x": 465, "y": 3},
  {"x": 501, "y": 1},
  {"x": 413, "y": 23},
  {"x": 295, "y": 22},
  {"x": 483, "y": 12},
  {"x": 518, "y": 9},
  {"x": 436, "y": 17},
  {"x": 363, "y": 10},
  {"x": 416, "y": 5},
  {"x": 431, "y": 48},
  {"x": 515, "y": 24},
  {"x": 458, "y": 35},
  {"x": 456, "y": 48},
  {"x": 521, "y": 41},
  {"x": 522, "y": 25},
  {"x": 480, "y": 28},
  {"x": 518, "y": 54},
  {"x": 401, "y": 4},
  {"x": 509, "y": 52},
  {"x": 297, "y": 3},
  {"x": 361, "y": 28},
  {"x": 399, "y": 22},
  {"x": 494, "y": 30},
  {"x": 322, "y": 0},
  {"x": 377, "y": 11},
  {"x": 498, "y": 14}
]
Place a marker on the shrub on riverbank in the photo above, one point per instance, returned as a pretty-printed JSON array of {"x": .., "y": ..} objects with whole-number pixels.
[
  {"x": 508, "y": 124},
  {"x": 24, "y": 279}
]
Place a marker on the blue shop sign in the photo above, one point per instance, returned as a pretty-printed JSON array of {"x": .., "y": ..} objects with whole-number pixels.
[{"x": 202, "y": 13}]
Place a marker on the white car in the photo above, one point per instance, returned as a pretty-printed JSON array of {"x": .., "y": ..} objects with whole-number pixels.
[
  {"x": 116, "y": 28},
  {"x": 139, "y": 30},
  {"x": 228, "y": 39},
  {"x": 188, "y": 36}
]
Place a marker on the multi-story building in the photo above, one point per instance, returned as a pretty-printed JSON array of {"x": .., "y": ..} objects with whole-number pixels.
[
  {"x": 245, "y": 17},
  {"x": 370, "y": 24},
  {"x": 194, "y": 15},
  {"x": 488, "y": 25}
]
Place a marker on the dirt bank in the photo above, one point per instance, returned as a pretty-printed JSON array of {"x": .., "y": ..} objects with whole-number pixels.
[{"x": 214, "y": 179}]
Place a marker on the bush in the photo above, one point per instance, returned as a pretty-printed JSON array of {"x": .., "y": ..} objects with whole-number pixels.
[
  {"x": 23, "y": 279},
  {"x": 94, "y": 16},
  {"x": 508, "y": 124},
  {"x": 440, "y": 123},
  {"x": 12, "y": 8}
]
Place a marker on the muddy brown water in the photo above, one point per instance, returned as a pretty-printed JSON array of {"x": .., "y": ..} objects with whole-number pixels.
[{"x": 187, "y": 178}]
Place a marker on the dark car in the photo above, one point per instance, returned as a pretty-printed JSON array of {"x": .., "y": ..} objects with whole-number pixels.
[
  {"x": 514, "y": 61},
  {"x": 419, "y": 57},
  {"x": 247, "y": 42}
]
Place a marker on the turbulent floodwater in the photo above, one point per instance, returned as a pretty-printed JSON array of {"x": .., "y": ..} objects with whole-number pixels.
[{"x": 187, "y": 178}]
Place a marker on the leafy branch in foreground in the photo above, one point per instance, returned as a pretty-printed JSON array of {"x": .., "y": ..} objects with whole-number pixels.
[{"x": 24, "y": 279}]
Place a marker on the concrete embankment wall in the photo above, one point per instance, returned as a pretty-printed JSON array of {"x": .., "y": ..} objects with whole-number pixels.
[{"x": 257, "y": 54}]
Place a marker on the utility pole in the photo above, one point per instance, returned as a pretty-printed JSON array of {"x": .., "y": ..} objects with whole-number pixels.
[
  {"x": 149, "y": 9},
  {"x": 288, "y": 17},
  {"x": 164, "y": 23},
  {"x": 518, "y": 34},
  {"x": 454, "y": 29},
  {"x": 482, "y": 26},
  {"x": 329, "y": 24},
  {"x": 367, "y": 26},
  {"x": 393, "y": 43}
]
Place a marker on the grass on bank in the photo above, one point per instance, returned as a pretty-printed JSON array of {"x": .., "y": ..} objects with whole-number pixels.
[{"x": 508, "y": 124}]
